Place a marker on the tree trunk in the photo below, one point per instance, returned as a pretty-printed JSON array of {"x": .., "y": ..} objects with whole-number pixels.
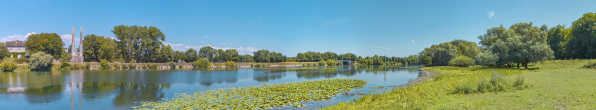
[
  {"x": 526, "y": 65},
  {"x": 517, "y": 65}
]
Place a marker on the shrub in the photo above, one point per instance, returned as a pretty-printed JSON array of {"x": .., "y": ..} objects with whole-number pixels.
[
  {"x": 462, "y": 61},
  {"x": 499, "y": 83},
  {"x": 64, "y": 65},
  {"x": 173, "y": 65},
  {"x": 117, "y": 66},
  {"x": 230, "y": 63},
  {"x": 40, "y": 61},
  {"x": 465, "y": 88},
  {"x": 8, "y": 64},
  {"x": 103, "y": 63},
  {"x": 22, "y": 59},
  {"x": 331, "y": 62},
  {"x": 203, "y": 62},
  {"x": 132, "y": 66},
  {"x": 484, "y": 86},
  {"x": 322, "y": 63}
]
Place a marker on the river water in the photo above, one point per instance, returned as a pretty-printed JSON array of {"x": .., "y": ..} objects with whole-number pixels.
[{"x": 122, "y": 89}]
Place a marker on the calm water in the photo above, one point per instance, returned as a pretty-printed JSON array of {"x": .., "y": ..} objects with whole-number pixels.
[{"x": 122, "y": 89}]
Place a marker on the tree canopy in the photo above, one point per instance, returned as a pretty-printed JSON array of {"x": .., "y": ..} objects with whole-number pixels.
[
  {"x": 140, "y": 43},
  {"x": 49, "y": 43}
]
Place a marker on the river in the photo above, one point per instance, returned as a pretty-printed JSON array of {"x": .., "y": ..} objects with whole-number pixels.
[{"x": 122, "y": 89}]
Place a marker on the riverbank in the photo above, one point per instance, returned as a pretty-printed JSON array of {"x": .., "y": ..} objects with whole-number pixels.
[{"x": 554, "y": 84}]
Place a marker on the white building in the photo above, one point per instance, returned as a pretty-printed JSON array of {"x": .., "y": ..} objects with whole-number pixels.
[{"x": 15, "y": 46}]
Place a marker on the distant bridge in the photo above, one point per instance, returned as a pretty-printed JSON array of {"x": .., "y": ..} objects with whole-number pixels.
[{"x": 346, "y": 61}]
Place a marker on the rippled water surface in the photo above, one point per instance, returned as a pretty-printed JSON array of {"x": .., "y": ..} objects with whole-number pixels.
[{"x": 122, "y": 89}]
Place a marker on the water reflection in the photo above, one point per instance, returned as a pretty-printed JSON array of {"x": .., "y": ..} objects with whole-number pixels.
[{"x": 120, "y": 89}]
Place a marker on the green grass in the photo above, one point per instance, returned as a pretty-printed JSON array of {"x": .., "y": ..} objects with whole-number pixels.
[{"x": 554, "y": 84}]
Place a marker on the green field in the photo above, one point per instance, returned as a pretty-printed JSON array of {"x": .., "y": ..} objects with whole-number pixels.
[{"x": 553, "y": 84}]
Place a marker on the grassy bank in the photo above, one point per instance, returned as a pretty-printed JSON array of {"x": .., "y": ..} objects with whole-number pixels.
[{"x": 554, "y": 84}]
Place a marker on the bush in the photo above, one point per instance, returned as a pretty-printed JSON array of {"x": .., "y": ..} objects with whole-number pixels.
[
  {"x": 22, "y": 59},
  {"x": 462, "y": 61},
  {"x": 8, "y": 64},
  {"x": 484, "y": 86},
  {"x": 322, "y": 63},
  {"x": 331, "y": 62},
  {"x": 132, "y": 66},
  {"x": 40, "y": 61},
  {"x": 465, "y": 88},
  {"x": 103, "y": 63},
  {"x": 230, "y": 63},
  {"x": 87, "y": 66},
  {"x": 64, "y": 65},
  {"x": 486, "y": 58},
  {"x": 173, "y": 65},
  {"x": 497, "y": 83},
  {"x": 203, "y": 62}
]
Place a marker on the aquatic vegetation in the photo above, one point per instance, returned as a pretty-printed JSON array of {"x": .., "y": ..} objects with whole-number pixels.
[{"x": 258, "y": 97}]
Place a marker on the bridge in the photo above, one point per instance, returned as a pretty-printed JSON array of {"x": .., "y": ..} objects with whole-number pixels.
[{"x": 346, "y": 62}]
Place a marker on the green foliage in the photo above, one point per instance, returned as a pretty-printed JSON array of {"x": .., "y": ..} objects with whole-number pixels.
[
  {"x": 486, "y": 58},
  {"x": 4, "y": 51},
  {"x": 443, "y": 53},
  {"x": 192, "y": 55},
  {"x": 87, "y": 65},
  {"x": 139, "y": 43},
  {"x": 99, "y": 47},
  {"x": 258, "y": 97},
  {"x": 322, "y": 63},
  {"x": 40, "y": 61},
  {"x": 49, "y": 43},
  {"x": 462, "y": 61},
  {"x": 173, "y": 65},
  {"x": 230, "y": 63},
  {"x": 203, "y": 62},
  {"x": 522, "y": 43},
  {"x": 8, "y": 64},
  {"x": 583, "y": 43},
  {"x": 261, "y": 55},
  {"x": 104, "y": 63}
]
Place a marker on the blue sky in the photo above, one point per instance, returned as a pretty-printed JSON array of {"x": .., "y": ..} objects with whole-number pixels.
[{"x": 365, "y": 27}]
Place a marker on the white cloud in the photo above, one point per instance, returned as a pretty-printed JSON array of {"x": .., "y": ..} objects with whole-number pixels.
[
  {"x": 413, "y": 41},
  {"x": 205, "y": 36},
  {"x": 380, "y": 47},
  {"x": 491, "y": 14},
  {"x": 16, "y": 37},
  {"x": 241, "y": 50},
  {"x": 337, "y": 22}
]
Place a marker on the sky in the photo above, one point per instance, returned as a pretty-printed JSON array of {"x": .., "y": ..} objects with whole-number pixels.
[{"x": 363, "y": 27}]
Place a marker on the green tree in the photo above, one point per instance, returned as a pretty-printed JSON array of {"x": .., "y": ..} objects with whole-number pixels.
[
  {"x": 556, "y": 40},
  {"x": 487, "y": 58},
  {"x": 40, "y": 61},
  {"x": 583, "y": 42},
  {"x": 462, "y": 61},
  {"x": 521, "y": 44},
  {"x": 138, "y": 43},
  {"x": 261, "y": 55},
  {"x": 192, "y": 55},
  {"x": 207, "y": 52},
  {"x": 49, "y": 43},
  {"x": 4, "y": 51}
]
